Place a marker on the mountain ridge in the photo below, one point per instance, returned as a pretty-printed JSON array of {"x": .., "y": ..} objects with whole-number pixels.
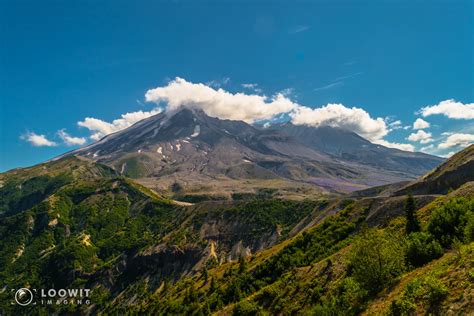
[{"x": 190, "y": 144}]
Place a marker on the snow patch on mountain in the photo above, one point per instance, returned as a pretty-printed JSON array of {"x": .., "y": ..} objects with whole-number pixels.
[{"x": 197, "y": 131}]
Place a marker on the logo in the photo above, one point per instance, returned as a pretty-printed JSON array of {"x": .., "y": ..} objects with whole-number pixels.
[{"x": 23, "y": 296}]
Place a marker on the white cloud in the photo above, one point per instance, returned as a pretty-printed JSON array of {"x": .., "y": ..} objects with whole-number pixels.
[
  {"x": 420, "y": 124},
  {"x": 252, "y": 86},
  {"x": 420, "y": 136},
  {"x": 70, "y": 140},
  {"x": 219, "y": 103},
  {"x": 249, "y": 85},
  {"x": 451, "y": 109},
  {"x": 218, "y": 83},
  {"x": 393, "y": 125},
  {"x": 337, "y": 115},
  {"x": 427, "y": 149},
  {"x": 250, "y": 108},
  {"x": 401, "y": 146},
  {"x": 448, "y": 155},
  {"x": 454, "y": 140},
  {"x": 38, "y": 140},
  {"x": 102, "y": 128},
  {"x": 287, "y": 92},
  {"x": 447, "y": 133}
]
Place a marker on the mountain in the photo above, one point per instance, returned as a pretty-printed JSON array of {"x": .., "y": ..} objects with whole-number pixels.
[
  {"x": 349, "y": 146},
  {"x": 77, "y": 223},
  {"x": 200, "y": 154}
]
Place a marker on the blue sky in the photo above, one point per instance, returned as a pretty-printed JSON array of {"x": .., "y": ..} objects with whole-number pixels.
[{"x": 63, "y": 61}]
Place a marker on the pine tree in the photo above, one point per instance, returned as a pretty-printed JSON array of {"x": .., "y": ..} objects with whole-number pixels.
[
  {"x": 242, "y": 264},
  {"x": 412, "y": 224}
]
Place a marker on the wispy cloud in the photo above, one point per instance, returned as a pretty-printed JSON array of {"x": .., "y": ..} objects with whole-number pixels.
[
  {"x": 252, "y": 86},
  {"x": 401, "y": 146},
  {"x": 393, "y": 125},
  {"x": 249, "y": 85},
  {"x": 349, "y": 76},
  {"x": 70, "y": 140},
  {"x": 329, "y": 86},
  {"x": 299, "y": 29},
  {"x": 287, "y": 92},
  {"x": 218, "y": 83}
]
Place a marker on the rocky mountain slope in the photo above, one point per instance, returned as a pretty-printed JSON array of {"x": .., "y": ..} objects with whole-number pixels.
[
  {"x": 349, "y": 146},
  {"x": 76, "y": 223},
  {"x": 450, "y": 175},
  {"x": 221, "y": 157}
]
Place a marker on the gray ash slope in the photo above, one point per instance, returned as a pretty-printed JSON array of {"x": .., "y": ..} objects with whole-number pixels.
[
  {"x": 192, "y": 147},
  {"x": 349, "y": 146}
]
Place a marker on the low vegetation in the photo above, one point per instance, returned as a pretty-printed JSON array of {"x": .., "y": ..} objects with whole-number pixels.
[
  {"x": 340, "y": 267},
  {"x": 142, "y": 253}
]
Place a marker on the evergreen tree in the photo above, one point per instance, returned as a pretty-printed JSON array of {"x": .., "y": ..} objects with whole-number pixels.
[
  {"x": 412, "y": 224},
  {"x": 242, "y": 264}
]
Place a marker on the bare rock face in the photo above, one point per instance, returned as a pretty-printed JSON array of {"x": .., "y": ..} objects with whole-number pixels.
[
  {"x": 453, "y": 173},
  {"x": 204, "y": 151}
]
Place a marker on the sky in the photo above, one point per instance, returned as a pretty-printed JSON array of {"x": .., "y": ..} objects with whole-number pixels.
[{"x": 399, "y": 73}]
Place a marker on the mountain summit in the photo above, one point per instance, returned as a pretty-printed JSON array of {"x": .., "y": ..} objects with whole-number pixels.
[{"x": 206, "y": 154}]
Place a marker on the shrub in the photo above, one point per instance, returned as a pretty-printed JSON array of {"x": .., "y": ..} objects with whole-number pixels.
[
  {"x": 469, "y": 229},
  {"x": 448, "y": 222},
  {"x": 402, "y": 307},
  {"x": 247, "y": 308},
  {"x": 434, "y": 291},
  {"x": 421, "y": 248},
  {"x": 351, "y": 297},
  {"x": 428, "y": 292},
  {"x": 376, "y": 259}
]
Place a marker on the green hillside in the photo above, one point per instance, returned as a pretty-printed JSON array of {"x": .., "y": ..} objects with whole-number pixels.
[
  {"x": 73, "y": 223},
  {"x": 340, "y": 267}
]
